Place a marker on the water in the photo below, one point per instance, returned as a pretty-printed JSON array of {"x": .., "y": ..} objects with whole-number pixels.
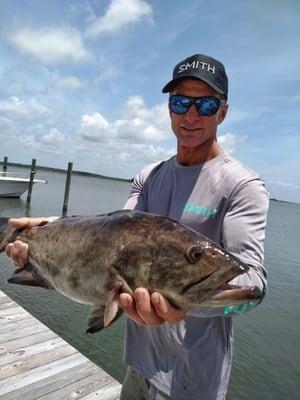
[{"x": 267, "y": 341}]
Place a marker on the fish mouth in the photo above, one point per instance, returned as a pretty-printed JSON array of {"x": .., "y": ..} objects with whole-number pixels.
[
  {"x": 194, "y": 283},
  {"x": 219, "y": 292},
  {"x": 229, "y": 294}
]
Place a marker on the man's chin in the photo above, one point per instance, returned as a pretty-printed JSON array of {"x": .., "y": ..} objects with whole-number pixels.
[{"x": 189, "y": 141}]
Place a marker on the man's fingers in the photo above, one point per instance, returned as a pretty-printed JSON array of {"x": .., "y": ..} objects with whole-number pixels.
[
  {"x": 152, "y": 310},
  {"x": 8, "y": 249},
  {"x": 144, "y": 307},
  {"x": 165, "y": 310},
  {"x": 128, "y": 305},
  {"x": 24, "y": 222},
  {"x": 18, "y": 252}
]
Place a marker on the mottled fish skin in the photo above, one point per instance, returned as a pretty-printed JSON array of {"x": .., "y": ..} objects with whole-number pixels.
[{"x": 91, "y": 259}]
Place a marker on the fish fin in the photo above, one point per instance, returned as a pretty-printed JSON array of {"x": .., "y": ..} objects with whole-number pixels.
[
  {"x": 30, "y": 277},
  {"x": 112, "y": 304},
  {"x": 96, "y": 320},
  {"x": 103, "y": 316}
]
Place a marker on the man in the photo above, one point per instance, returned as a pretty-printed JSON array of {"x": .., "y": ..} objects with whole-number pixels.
[{"x": 186, "y": 354}]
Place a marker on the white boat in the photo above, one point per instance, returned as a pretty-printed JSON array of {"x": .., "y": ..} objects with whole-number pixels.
[{"x": 14, "y": 185}]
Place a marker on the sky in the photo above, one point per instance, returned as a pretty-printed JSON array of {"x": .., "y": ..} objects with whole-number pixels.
[{"x": 81, "y": 81}]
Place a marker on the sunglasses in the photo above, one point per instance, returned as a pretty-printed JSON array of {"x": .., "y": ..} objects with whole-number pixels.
[{"x": 206, "y": 106}]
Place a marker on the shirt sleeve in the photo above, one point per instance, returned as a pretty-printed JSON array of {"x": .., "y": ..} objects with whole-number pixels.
[
  {"x": 243, "y": 234},
  {"x": 136, "y": 200}
]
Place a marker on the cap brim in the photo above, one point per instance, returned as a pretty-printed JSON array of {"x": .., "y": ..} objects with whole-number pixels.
[{"x": 170, "y": 85}]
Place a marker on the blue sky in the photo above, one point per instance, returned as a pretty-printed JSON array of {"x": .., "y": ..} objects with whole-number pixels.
[{"x": 81, "y": 81}]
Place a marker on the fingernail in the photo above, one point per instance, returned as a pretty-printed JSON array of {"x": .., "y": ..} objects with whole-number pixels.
[
  {"x": 155, "y": 298},
  {"x": 124, "y": 301},
  {"x": 139, "y": 295}
]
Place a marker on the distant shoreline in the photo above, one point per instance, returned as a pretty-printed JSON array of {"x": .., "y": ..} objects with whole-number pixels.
[
  {"x": 83, "y": 173},
  {"x": 284, "y": 201}
]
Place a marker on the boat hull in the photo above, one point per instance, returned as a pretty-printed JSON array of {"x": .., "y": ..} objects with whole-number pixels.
[
  {"x": 12, "y": 189},
  {"x": 14, "y": 186}
]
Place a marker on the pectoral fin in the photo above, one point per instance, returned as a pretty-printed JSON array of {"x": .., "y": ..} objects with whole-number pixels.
[
  {"x": 112, "y": 304},
  {"x": 103, "y": 316},
  {"x": 96, "y": 320},
  {"x": 30, "y": 277}
]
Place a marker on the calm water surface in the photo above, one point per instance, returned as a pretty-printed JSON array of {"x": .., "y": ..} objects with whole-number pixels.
[{"x": 267, "y": 341}]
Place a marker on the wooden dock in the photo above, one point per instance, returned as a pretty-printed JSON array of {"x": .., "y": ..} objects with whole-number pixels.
[{"x": 35, "y": 363}]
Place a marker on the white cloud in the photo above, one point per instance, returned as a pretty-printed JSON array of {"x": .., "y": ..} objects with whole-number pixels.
[
  {"x": 133, "y": 140},
  {"x": 94, "y": 127},
  {"x": 49, "y": 45},
  {"x": 229, "y": 141},
  {"x": 143, "y": 153},
  {"x": 119, "y": 14},
  {"x": 67, "y": 82},
  {"x": 53, "y": 138},
  {"x": 282, "y": 184},
  {"x": 107, "y": 75},
  {"x": 15, "y": 109},
  {"x": 138, "y": 124}
]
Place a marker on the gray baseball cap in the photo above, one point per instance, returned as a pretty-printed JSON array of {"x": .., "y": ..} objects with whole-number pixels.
[{"x": 201, "y": 67}]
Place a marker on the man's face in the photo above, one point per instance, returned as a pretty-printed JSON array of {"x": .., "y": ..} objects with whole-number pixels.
[{"x": 192, "y": 129}]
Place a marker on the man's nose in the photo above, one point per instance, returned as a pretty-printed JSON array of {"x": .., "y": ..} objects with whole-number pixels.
[{"x": 191, "y": 114}]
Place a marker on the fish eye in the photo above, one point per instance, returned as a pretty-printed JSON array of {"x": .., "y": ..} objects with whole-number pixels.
[{"x": 195, "y": 253}]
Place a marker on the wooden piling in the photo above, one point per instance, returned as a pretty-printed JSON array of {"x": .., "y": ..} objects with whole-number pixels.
[
  {"x": 32, "y": 173},
  {"x": 67, "y": 188},
  {"x": 4, "y": 168}
]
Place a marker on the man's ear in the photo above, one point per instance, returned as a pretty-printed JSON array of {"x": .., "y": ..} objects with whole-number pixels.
[
  {"x": 169, "y": 108},
  {"x": 222, "y": 113}
]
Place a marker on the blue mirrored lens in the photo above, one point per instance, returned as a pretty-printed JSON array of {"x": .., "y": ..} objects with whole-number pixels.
[
  {"x": 206, "y": 106},
  {"x": 180, "y": 104}
]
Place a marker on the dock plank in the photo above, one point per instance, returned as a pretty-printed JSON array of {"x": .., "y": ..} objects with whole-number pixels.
[
  {"x": 107, "y": 393},
  {"x": 31, "y": 350},
  {"x": 37, "y": 364},
  {"x": 28, "y": 364},
  {"x": 52, "y": 383},
  {"x": 16, "y": 334},
  {"x": 20, "y": 344},
  {"x": 77, "y": 390}
]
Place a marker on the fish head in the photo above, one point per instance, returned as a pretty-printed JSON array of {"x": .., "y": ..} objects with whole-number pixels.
[{"x": 190, "y": 270}]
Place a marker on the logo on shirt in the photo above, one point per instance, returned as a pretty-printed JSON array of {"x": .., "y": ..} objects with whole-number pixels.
[{"x": 199, "y": 210}]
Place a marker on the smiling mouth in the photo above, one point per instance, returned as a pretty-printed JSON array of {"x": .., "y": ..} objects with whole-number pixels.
[{"x": 191, "y": 130}]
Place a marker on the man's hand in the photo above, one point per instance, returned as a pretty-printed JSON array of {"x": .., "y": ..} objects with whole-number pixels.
[
  {"x": 18, "y": 250},
  {"x": 146, "y": 309}
]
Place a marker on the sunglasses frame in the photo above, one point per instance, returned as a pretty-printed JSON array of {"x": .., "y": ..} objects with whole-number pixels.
[{"x": 193, "y": 100}]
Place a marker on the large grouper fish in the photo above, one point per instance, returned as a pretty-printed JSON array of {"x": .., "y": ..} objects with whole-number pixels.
[{"x": 91, "y": 259}]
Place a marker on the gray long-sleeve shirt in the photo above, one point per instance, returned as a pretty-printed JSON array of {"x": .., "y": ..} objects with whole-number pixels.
[{"x": 227, "y": 202}]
